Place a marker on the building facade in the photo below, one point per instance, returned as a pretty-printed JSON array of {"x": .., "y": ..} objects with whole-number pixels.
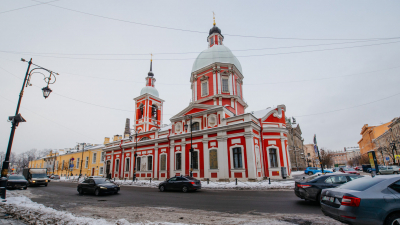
[
  {"x": 369, "y": 133},
  {"x": 339, "y": 158},
  {"x": 223, "y": 142},
  {"x": 311, "y": 157},
  {"x": 296, "y": 147},
  {"x": 387, "y": 144}
]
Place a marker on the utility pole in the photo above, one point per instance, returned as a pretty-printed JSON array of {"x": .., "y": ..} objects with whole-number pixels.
[{"x": 83, "y": 150}]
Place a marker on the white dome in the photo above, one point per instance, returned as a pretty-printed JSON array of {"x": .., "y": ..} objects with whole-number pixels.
[
  {"x": 217, "y": 53},
  {"x": 149, "y": 90}
]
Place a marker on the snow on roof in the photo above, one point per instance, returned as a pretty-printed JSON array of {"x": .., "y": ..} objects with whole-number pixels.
[
  {"x": 261, "y": 113},
  {"x": 167, "y": 127}
]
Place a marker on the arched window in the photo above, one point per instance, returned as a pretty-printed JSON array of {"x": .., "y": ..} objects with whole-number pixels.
[
  {"x": 273, "y": 161},
  {"x": 163, "y": 162},
  {"x": 141, "y": 111},
  {"x": 144, "y": 139},
  {"x": 154, "y": 112},
  {"x": 213, "y": 159},
  {"x": 196, "y": 126}
]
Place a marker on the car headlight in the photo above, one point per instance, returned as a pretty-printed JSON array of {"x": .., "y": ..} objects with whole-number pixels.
[
  {"x": 103, "y": 187},
  {"x": 33, "y": 181},
  {"x": 46, "y": 181}
]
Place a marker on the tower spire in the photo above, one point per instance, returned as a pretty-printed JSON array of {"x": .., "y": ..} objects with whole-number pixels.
[
  {"x": 214, "y": 18},
  {"x": 151, "y": 74}
]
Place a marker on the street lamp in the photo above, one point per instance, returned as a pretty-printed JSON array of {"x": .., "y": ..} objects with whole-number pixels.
[
  {"x": 17, "y": 118},
  {"x": 135, "y": 155},
  {"x": 189, "y": 117}
]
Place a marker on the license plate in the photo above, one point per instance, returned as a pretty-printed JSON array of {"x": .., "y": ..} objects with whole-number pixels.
[{"x": 331, "y": 199}]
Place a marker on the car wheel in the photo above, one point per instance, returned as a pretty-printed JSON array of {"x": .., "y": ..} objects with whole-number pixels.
[
  {"x": 162, "y": 188},
  {"x": 393, "y": 219},
  {"x": 45, "y": 185},
  {"x": 25, "y": 188},
  {"x": 116, "y": 192},
  {"x": 97, "y": 192},
  {"x": 80, "y": 191},
  {"x": 319, "y": 198},
  {"x": 395, "y": 172},
  {"x": 185, "y": 189},
  {"x": 310, "y": 173}
]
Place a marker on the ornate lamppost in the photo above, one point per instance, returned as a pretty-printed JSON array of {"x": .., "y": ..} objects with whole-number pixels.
[
  {"x": 189, "y": 117},
  {"x": 17, "y": 118},
  {"x": 135, "y": 155}
]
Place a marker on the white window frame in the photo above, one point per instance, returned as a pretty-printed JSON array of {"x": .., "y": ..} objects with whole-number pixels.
[
  {"x": 94, "y": 157},
  {"x": 101, "y": 170},
  {"x": 198, "y": 159},
  {"x": 137, "y": 164},
  {"x": 116, "y": 166},
  {"x": 147, "y": 162},
  {"x": 238, "y": 89},
  {"x": 227, "y": 84},
  {"x": 102, "y": 156},
  {"x": 209, "y": 158},
  {"x": 176, "y": 164},
  {"x": 206, "y": 92},
  {"x": 277, "y": 157},
  {"x": 87, "y": 162},
  {"x": 231, "y": 157},
  {"x": 212, "y": 42},
  {"x": 77, "y": 163},
  {"x": 128, "y": 164},
  {"x": 166, "y": 158}
]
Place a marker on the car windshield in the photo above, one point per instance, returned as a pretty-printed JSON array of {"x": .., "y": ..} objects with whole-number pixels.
[
  {"x": 39, "y": 176},
  {"x": 348, "y": 169},
  {"x": 311, "y": 178},
  {"x": 16, "y": 178},
  {"x": 361, "y": 184},
  {"x": 101, "y": 181}
]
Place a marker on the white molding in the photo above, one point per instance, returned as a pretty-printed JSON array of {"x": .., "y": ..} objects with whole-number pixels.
[{"x": 231, "y": 157}]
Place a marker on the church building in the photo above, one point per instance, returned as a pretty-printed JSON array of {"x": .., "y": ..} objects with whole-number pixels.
[{"x": 226, "y": 141}]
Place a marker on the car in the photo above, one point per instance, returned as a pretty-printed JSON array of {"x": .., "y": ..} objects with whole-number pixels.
[
  {"x": 310, "y": 188},
  {"x": 385, "y": 170},
  {"x": 180, "y": 183},
  {"x": 98, "y": 186},
  {"x": 55, "y": 177},
  {"x": 365, "y": 167},
  {"x": 369, "y": 170},
  {"x": 368, "y": 200},
  {"x": 348, "y": 170},
  {"x": 314, "y": 170},
  {"x": 92, "y": 177},
  {"x": 358, "y": 168},
  {"x": 17, "y": 181}
]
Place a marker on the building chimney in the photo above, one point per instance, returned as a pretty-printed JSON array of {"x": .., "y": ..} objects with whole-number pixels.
[
  {"x": 116, "y": 137},
  {"x": 106, "y": 140}
]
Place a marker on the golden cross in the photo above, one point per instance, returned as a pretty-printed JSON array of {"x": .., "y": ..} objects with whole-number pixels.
[
  {"x": 151, "y": 59},
  {"x": 214, "y": 18}
]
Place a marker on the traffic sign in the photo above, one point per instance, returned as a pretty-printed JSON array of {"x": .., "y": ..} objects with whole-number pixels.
[
  {"x": 72, "y": 159},
  {"x": 387, "y": 158}
]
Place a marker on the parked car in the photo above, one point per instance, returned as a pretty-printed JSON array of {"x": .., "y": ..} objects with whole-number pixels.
[
  {"x": 311, "y": 187},
  {"x": 348, "y": 170},
  {"x": 365, "y": 167},
  {"x": 314, "y": 170},
  {"x": 98, "y": 186},
  {"x": 92, "y": 177},
  {"x": 358, "y": 168},
  {"x": 364, "y": 201},
  {"x": 369, "y": 170},
  {"x": 181, "y": 183},
  {"x": 17, "y": 181},
  {"x": 385, "y": 170},
  {"x": 55, "y": 177}
]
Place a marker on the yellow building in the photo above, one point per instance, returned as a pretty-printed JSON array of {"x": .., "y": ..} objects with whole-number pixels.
[
  {"x": 369, "y": 134},
  {"x": 68, "y": 162}
]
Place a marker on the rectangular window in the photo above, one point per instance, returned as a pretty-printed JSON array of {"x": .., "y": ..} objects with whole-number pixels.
[
  {"x": 237, "y": 158},
  {"x": 87, "y": 162},
  {"x": 238, "y": 89},
  {"x": 57, "y": 165},
  {"x": 225, "y": 86},
  {"x": 63, "y": 163},
  {"x": 273, "y": 158},
  {"x": 212, "y": 41},
  {"x": 178, "y": 161},
  {"x": 77, "y": 163},
  {"x": 163, "y": 162},
  {"x": 101, "y": 171},
  {"x": 117, "y": 165},
  {"x": 149, "y": 162},
  {"x": 40, "y": 165},
  {"x": 204, "y": 88},
  {"x": 94, "y": 157},
  {"x": 195, "y": 160},
  {"x": 138, "y": 164},
  {"x": 213, "y": 159},
  {"x": 127, "y": 161},
  {"x": 102, "y": 156}
]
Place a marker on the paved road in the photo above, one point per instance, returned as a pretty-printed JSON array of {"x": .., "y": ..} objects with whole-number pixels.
[{"x": 64, "y": 195}]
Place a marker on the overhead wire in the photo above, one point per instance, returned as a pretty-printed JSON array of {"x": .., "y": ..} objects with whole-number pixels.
[
  {"x": 29, "y": 6},
  {"x": 202, "y": 32}
]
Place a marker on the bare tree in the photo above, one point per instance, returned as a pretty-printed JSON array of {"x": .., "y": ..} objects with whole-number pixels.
[{"x": 326, "y": 157}]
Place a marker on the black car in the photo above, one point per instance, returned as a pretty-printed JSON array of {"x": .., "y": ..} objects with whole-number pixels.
[
  {"x": 17, "y": 181},
  {"x": 98, "y": 186},
  {"x": 180, "y": 183},
  {"x": 310, "y": 188}
]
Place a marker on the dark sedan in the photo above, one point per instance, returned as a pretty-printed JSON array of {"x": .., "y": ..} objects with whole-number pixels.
[
  {"x": 98, "y": 186},
  {"x": 310, "y": 188},
  {"x": 183, "y": 184},
  {"x": 364, "y": 201},
  {"x": 17, "y": 181}
]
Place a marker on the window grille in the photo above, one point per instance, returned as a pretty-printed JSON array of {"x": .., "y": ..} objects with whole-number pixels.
[
  {"x": 237, "y": 158},
  {"x": 204, "y": 89},
  {"x": 225, "y": 87}
]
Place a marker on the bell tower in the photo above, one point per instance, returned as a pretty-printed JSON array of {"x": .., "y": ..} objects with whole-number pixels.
[{"x": 148, "y": 105}]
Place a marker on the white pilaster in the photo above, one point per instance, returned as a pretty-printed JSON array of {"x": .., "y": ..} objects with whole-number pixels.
[
  {"x": 219, "y": 81},
  {"x": 214, "y": 83},
  {"x": 230, "y": 84},
  {"x": 223, "y": 166},
  {"x": 183, "y": 150},
  {"x": 251, "y": 160},
  {"x": 171, "y": 159},
  {"x": 206, "y": 157},
  {"x": 155, "y": 164},
  {"x": 220, "y": 101},
  {"x": 195, "y": 88},
  {"x": 236, "y": 106}
]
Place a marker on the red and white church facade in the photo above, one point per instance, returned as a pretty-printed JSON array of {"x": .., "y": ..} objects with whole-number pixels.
[{"x": 228, "y": 143}]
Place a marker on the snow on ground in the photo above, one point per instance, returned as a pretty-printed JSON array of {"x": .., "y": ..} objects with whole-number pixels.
[
  {"x": 297, "y": 172},
  {"x": 22, "y": 208},
  {"x": 261, "y": 185}
]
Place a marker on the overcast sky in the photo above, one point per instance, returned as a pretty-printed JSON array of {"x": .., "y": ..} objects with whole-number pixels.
[{"x": 297, "y": 67}]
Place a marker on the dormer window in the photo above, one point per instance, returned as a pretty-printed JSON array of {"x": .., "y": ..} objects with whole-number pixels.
[
  {"x": 204, "y": 88},
  {"x": 225, "y": 86}
]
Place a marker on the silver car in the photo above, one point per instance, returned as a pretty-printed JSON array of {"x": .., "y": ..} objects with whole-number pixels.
[
  {"x": 364, "y": 201},
  {"x": 384, "y": 170}
]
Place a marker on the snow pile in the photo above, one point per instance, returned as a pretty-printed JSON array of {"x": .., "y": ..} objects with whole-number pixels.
[
  {"x": 261, "y": 185},
  {"x": 297, "y": 172},
  {"x": 30, "y": 212}
]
